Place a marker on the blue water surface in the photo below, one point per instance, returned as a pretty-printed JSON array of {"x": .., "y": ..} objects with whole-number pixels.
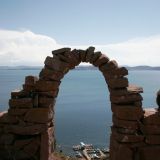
[{"x": 83, "y": 108}]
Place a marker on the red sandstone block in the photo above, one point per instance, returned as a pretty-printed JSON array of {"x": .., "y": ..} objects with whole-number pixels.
[
  {"x": 110, "y": 65},
  {"x": 115, "y": 73},
  {"x": 128, "y": 152},
  {"x": 35, "y": 100},
  {"x": 47, "y": 144},
  {"x": 101, "y": 60},
  {"x": 28, "y": 88},
  {"x": 39, "y": 115},
  {"x": 20, "y": 143},
  {"x": 21, "y": 103},
  {"x": 82, "y": 54},
  {"x": 89, "y": 53},
  {"x": 32, "y": 148},
  {"x": 95, "y": 57},
  {"x": 122, "y": 152},
  {"x": 125, "y": 130},
  {"x": 133, "y": 146},
  {"x": 137, "y": 103},
  {"x": 19, "y": 94},
  {"x": 113, "y": 147},
  {"x": 17, "y": 111},
  {"x": 150, "y": 129},
  {"x": 125, "y": 123},
  {"x": 30, "y": 80},
  {"x": 150, "y": 153},
  {"x": 45, "y": 86},
  {"x": 151, "y": 116},
  {"x": 48, "y": 74},
  {"x": 117, "y": 82},
  {"x": 127, "y": 112},
  {"x": 131, "y": 89},
  {"x": 126, "y": 99},
  {"x": 20, "y": 154},
  {"x": 50, "y": 94},
  {"x": 45, "y": 102},
  {"x": 62, "y": 57},
  {"x": 126, "y": 138},
  {"x": 56, "y": 64},
  {"x": 61, "y": 50},
  {"x": 8, "y": 119},
  {"x": 74, "y": 55},
  {"x": 27, "y": 150},
  {"x": 6, "y": 139},
  {"x": 68, "y": 58},
  {"x": 33, "y": 129},
  {"x": 152, "y": 139}
]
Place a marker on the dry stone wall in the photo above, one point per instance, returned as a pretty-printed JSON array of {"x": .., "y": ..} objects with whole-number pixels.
[{"x": 27, "y": 128}]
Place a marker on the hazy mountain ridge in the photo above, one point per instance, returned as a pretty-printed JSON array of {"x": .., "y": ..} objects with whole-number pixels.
[
  {"x": 77, "y": 68},
  {"x": 143, "y": 68},
  {"x": 21, "y": 67}
]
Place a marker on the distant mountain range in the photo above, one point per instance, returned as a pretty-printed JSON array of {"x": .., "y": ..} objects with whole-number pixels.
[
  {"x": 89, "y": 67},
  {"x": 143, "y": 68},
  {"x": 21, "y": 67},
  {"x": 128, "y": 67}
]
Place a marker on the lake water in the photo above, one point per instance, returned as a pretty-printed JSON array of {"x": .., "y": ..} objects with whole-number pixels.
[{"x": 83, "y": 108}]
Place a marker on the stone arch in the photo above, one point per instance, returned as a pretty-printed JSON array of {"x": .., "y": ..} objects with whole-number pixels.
[{"x": 27, "y": 129}]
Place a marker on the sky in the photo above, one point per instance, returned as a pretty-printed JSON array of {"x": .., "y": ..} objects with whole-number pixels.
[{"x": 127, "y": 31}]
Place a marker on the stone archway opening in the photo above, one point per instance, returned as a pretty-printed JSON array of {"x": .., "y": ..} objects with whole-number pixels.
[
  {"x": 82, "y": 111},
  {"x": 27, "y": 129}
]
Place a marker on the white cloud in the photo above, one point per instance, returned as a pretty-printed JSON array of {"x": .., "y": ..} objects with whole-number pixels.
[
  {"x": 140, "y": 51},
  {"x": 28, "y": 48},
  {"x": 24, "y": 48}
]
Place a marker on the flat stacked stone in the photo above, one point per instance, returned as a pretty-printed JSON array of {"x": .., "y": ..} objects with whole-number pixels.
[{"x": 27, "y": 118}]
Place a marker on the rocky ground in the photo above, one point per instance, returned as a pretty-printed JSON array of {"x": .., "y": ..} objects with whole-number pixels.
[{"x": 59, "y": 156}]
